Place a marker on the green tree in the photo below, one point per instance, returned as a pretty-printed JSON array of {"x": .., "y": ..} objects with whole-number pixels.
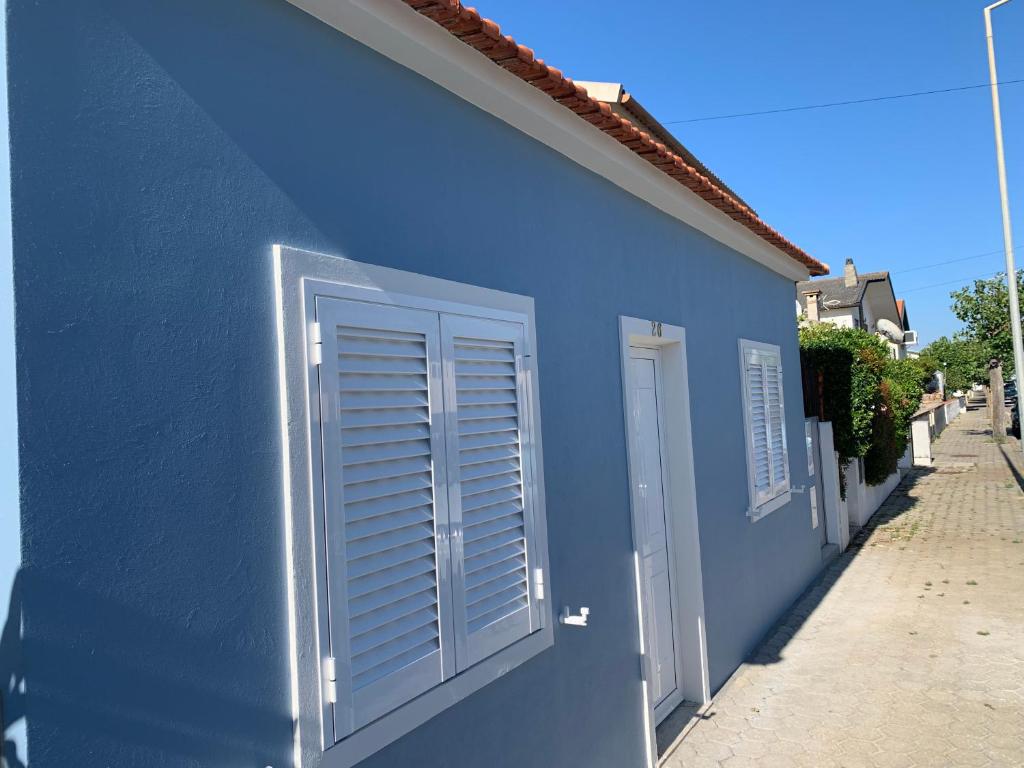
[
  {"x": 984, "y": 309},
  {"x": 963, "y": 362}
]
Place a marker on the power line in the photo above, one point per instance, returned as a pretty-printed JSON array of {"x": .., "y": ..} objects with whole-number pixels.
[
  {"x": 943, "y": 263},
  {"x": 952, "y": 282},
  {"x": 840, "y": 103}
]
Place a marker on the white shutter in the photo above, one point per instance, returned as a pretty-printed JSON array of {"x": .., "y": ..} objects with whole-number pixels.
[
  {"x": 386, "y": 509},
  {"x": 758, "y": 418},
  {"x": 777, "y": 425},
  {"x": 490, "y": 485},
  {"x": 766, "y": 422}
]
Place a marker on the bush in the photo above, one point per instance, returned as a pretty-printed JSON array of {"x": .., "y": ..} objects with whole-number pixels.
[
  {"x": 868, "y": 396},
  {"x": 903, "y": 383},
  {"x": 884, "y": 452},
  {"x": 850, "y": 361},
  {"x": 907, "y": 381}
]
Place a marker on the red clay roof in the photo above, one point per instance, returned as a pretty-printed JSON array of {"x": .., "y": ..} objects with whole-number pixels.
[{"x": 485, "y": 36}]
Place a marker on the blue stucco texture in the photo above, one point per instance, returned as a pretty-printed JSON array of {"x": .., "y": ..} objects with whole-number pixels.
[{"x": 159, "y": 150}]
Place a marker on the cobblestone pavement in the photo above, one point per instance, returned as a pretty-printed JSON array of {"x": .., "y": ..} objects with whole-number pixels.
[{"x": 910, "y": 651}]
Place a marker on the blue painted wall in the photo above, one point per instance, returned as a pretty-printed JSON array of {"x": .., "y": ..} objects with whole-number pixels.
[
  {"x": 159, "y": 149},
  {"x": 13, "y": 746}
]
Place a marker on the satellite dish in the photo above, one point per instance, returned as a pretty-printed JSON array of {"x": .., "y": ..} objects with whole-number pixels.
[{"x": 890, "y": 330}]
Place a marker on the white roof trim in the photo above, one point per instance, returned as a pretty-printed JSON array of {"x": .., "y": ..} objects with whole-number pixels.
[{"x": 396, "y": 31}]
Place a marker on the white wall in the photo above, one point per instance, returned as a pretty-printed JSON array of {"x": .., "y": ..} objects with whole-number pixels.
[
  {"x": 921, "y": 437},
  {"x": 848, "y": 318},
  {"x": 844, "y": 318},
  {"x": 863, "y": 500}
]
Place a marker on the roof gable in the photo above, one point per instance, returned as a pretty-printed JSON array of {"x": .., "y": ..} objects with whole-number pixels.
[{"x": 835, "y": 294}]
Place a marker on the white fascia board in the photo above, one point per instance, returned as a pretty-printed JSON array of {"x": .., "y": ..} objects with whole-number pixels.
[{"x": 398, "y": 32}]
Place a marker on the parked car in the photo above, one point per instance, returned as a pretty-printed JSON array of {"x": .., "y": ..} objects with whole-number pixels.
[
  {"x": 1010, "y": 392},
  {"x": 1015, "y": 421}
]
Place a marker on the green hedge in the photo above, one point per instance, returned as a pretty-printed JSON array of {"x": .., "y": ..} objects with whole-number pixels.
[
  {"x": 903, "y": 384},
  {"x": 868, "y": 396}
]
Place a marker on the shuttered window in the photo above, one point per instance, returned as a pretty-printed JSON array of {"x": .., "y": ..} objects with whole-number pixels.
[
  {"x": 488, "y": 474},
  {"x": 764, "y": 418},
  {"x": 428, "y": 506}
]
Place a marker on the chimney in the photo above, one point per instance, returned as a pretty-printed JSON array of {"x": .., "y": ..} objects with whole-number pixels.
[
  {"x": 812, "y": 306},
  {"x": 849, "y": 274}
]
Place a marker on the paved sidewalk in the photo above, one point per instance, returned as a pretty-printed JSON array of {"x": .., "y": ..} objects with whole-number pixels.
[{"x": 910, "y": 652}]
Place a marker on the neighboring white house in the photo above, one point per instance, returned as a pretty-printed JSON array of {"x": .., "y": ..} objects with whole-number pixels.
[{"x": 858, "y": 301}]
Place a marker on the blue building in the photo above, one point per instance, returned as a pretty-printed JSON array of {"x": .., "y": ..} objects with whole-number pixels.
[{"x": 383, "y": 398}]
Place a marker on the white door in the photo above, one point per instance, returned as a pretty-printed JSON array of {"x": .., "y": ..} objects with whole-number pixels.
[{"x": 654, "y": 531}]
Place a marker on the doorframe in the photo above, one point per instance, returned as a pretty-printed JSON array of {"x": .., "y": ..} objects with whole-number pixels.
[{"x": 681, "y": 506}]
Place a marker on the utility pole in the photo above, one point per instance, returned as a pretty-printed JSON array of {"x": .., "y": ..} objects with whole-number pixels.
[{"x": 1004, "y": 199}]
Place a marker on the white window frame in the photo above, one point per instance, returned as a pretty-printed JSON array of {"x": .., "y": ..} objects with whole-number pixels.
[
  {"x": 298, "y": 277},
  {"x": 757, "y": 511}
]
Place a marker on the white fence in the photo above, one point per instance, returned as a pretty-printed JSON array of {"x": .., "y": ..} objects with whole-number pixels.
[
  {"x": 928, "y": 424},
  {"x": 863, "y": 500},
  {"x": 826, "y": 481}
]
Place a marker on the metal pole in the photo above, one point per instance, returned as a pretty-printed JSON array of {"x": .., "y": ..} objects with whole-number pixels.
[{"x": 1004, "y": 199}]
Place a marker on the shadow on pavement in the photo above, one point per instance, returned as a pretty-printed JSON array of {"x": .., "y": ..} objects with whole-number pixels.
[
  {"x": 770, "y": 649},
  {"x": 899, "y": 502},
  {"x": 1011, "y": 464}
]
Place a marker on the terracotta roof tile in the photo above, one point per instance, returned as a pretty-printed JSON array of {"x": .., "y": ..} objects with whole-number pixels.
[{"x": 486, "y": 37}]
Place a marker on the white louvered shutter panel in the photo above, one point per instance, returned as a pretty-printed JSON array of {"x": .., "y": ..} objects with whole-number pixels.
[
  {"x": 776, "y": 425},
  {"x": 757, "y": 422},
  {"x": 386, "y": 506},
  {"x": 490, "y": 485}
]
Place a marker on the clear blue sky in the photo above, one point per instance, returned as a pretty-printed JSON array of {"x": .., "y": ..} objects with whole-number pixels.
[{"x": 898, "y": 185}]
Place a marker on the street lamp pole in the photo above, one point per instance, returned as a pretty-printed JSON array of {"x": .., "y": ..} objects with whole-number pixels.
[{"x": 1004, "y": 199}]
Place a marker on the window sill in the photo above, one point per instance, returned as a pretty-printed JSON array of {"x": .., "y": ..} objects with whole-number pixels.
[
  {"x": 770, "y": 506},
  {"x": 360, "y": 745}
]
